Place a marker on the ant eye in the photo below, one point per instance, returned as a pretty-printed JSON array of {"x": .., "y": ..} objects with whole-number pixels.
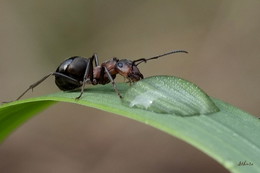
[{"x": 120, "y": 65}]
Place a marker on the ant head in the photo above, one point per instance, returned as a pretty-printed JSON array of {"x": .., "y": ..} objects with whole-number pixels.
[{"x": 129, "y": 70}]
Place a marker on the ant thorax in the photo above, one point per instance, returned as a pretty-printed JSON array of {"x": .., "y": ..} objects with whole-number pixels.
[{"x": 100, "y": 77}]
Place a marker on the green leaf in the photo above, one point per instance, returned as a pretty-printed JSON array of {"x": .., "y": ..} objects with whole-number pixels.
[{"x": 230, "y": 136}]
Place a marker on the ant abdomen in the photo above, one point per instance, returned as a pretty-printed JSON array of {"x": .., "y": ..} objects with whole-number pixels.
[{"x": 74, "y": 68}]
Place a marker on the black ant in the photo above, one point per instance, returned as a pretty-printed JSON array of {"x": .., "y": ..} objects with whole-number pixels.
[{"x": 77, "y": 71}]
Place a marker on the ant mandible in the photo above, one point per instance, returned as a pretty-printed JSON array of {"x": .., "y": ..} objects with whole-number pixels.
[{"x": 77, "y": 71}]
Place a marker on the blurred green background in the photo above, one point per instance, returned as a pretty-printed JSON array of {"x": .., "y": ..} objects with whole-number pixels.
[{"x": 223, "y": 41}]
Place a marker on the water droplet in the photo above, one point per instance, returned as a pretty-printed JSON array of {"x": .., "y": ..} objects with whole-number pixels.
[{"x": 169, "y": 95}]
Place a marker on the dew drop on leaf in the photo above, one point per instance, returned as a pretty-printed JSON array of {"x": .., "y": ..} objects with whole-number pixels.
[{"x": 169, "y": 95}]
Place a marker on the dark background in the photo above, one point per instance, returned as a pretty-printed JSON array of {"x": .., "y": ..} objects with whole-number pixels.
[{"x": 222, "y": 38}]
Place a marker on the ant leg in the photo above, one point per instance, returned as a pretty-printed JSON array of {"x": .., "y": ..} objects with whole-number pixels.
[
  {"x": 96, "y": 59},
  {"x": 34, "y": 85},
  {"x": 113, "y": 82},
  {"x": 88, "y": 72},
  {"x": 31, "y": 87},
  {"x": 68, "y": 77}
]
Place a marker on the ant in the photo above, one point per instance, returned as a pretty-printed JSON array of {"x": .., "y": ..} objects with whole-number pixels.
[{"x": 77, "y": 71}]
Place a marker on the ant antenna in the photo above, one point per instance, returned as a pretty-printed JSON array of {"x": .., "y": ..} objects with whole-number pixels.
[{"x": 158, "y": 56}]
